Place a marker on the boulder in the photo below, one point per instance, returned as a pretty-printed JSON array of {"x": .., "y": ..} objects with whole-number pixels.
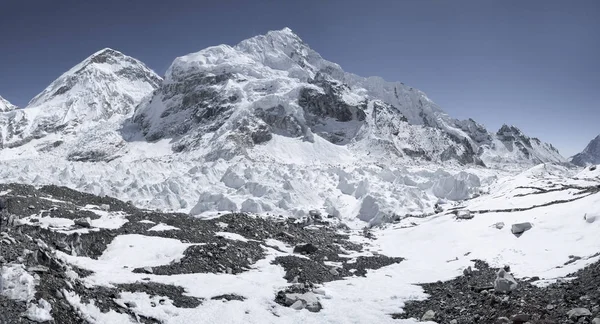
[
  {"x": 504, "y": 282},
  {"x": 464, "y": 214},
  {"x": 520, "y": 318},
  {"x": 307, "y": 300},
  {"x": 596, "y": 320},
  {"x": 297, "y": 305},
  {"x": 83, "y": 222},
  {"x": 428, "y": 316},
  {"x": 305, "y": 248},
  {"x": 590, "y": 218},
  {"x": 520, "y": 228},
  {"x": 576, "y": 313}
]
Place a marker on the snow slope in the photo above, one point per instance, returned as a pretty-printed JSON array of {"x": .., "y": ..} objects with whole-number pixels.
[
  {"x": 590, "y": 155},
  {"x": 6, "y": 106}
]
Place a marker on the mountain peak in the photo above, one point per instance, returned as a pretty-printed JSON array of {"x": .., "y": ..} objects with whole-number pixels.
[
  {"x": 590, "y": 155},
  {"x": 105, "y": 84},
  {"x": 5, "y": 105},
  {"x": 102, "y": 56}
]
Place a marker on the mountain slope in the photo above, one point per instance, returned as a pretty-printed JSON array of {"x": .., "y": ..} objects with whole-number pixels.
[
  {"x": 231, "y": 99},
  {"x": 510, "y": 145},
  {"x": 590, "y": 155},
  {"x": 106, "y": 84},
  {"x": 6, "y": 106}
]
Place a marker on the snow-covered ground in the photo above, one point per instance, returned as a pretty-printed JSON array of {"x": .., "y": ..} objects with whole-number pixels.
[{"x": 438, "y": 247}]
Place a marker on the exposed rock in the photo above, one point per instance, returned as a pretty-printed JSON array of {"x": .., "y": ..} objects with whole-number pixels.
[
  {"x": 297, "y": 305},
  {"x": 504, "y": 282},
  {"x": 428, "y": 316},
  {"x": 520, "y": 228},
  {"x": 464, "y": 214},
  {"x": 576, "y": 313},
  {"x": 305, "y": 248},
  {"x": 596, "y": 320},
  {"x": 520, "y": 318},
  {"x": 468, "y": 271},
  {"x": 83, "y": 222},
  {"x": 229, "y": 297},
  {"x": 499, "y": 225}
]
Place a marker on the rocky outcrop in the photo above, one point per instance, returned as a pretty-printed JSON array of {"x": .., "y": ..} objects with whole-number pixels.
[{"x": 590, "y": 155}]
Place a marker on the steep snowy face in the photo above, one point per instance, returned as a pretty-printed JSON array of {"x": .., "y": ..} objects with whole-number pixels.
[
  {"x": 590, "y": 155},
  {"x": 6, "y": 106},
  {"x": 229, "y": 99},
  {"x": 105, "y": 84},
  {"x": 510, "y": 145}
]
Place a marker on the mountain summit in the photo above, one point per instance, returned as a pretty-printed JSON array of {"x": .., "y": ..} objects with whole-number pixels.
[
  {"x": 590, "y": 155},
  {"x": 105, "y": 84},
  {"x": 6, "y": 106},
  {"x": 231, "y": 99}
]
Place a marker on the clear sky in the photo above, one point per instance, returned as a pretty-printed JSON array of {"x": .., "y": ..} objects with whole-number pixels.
[{"x": 533, "y": 64}]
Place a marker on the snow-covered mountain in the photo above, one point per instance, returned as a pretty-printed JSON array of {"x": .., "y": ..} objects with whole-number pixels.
[
  {"x": 510, "y": 145},
  {"x": 105, "y": 84},
  {"x": 590, "y": 155},
  {"x": 266, "y": 126},
  {"x": 6, "y": 106},
  {"x": 234, "y": 98}
]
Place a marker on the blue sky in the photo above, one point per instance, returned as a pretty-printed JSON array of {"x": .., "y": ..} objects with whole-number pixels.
[{"x": 533, "y": 64}]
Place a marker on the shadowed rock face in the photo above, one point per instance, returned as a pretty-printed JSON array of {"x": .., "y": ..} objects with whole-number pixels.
[{"x": 590, "y": 155}]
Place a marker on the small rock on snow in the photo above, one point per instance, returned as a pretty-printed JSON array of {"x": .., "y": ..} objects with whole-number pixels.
[
  {"x": 464, "y": 214},
  {"x": 520, "y": 228},
  {"x": 83, "y": 222},
  {"x": 590, "y": 218},
  {"x": 499, "y": 225}
]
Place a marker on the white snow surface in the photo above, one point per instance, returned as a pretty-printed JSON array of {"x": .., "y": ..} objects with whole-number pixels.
[
  {"x": 39, "y": 312},
  {"x": 18, "y": 283}
]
